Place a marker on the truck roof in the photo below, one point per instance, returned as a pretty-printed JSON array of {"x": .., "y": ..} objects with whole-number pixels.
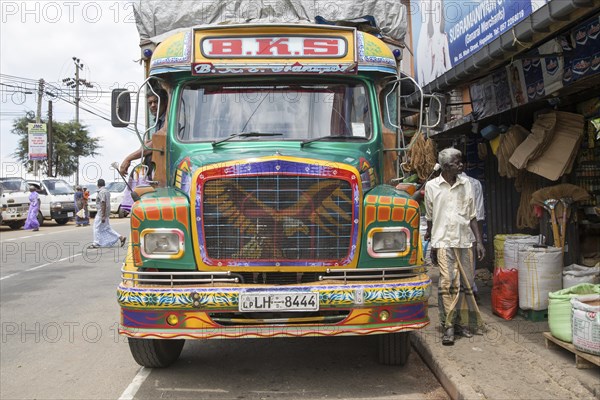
[{"x": 155, "y": 21}]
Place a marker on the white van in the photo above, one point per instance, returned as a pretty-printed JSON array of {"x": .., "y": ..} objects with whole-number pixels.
[
  {"x": 57, "y": 200},
  {"x": 117, "y": 193},
  {"x": 14, "y": 202}
]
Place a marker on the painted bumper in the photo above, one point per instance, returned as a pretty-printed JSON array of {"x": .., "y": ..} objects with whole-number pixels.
[{"x": 198, "y": 312}]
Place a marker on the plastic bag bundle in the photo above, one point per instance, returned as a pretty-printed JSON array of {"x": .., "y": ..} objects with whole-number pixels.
[{"x": 505, "y": 293}]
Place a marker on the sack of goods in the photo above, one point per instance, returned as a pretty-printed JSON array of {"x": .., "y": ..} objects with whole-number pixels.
[
  {"x": 540, "y": 272},
  {"x": 575, "y": 274},
  {"x": 560, "y": 319},
  {"x": 514, "y": 243},
  {"x": 586, "y": 323}
]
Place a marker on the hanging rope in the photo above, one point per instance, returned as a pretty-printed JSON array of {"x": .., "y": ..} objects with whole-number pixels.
[
  {"x": 526, "y": 185},
  {"x": 422, "y": 156}
]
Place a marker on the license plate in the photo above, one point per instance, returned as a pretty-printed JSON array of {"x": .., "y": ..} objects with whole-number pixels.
[
  {"x": 69, "y": 214},
  {"x": 274, "y": 301}
]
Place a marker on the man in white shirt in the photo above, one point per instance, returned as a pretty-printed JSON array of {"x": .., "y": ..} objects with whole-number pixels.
[
  {"x": 451, "y": 216},
  {"x": 480, "y": 216}
]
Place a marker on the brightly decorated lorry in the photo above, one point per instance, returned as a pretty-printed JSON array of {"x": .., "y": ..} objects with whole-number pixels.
[{"x": 269, "y": 214}]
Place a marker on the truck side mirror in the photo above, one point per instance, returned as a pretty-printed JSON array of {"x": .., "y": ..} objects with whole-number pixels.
[
  {"x": 435, "y": 111},
  {"x": 120, "y": 108}
]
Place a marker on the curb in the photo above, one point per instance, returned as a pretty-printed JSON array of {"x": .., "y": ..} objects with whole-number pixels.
[{"x": 453, "y": 383}]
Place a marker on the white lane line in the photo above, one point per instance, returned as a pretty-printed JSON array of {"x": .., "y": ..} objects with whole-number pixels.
[
  {"x": 39, "y": 266},
  {"x": 175, "y": 389},
  {"x": 136, "y": 383},
  {"x": 23, "y": 237},
  {"x": 59, "y": 231}
]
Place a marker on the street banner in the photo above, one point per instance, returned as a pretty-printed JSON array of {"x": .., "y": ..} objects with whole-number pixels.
[{"x": 38, "y": 141}]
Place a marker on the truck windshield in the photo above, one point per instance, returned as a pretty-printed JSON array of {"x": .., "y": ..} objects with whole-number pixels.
[
  {"x": 58, "y": 187},
  {"x": 294, "y": 111}
]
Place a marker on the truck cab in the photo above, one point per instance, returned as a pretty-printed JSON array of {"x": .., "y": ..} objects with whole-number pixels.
[
  {"x": 57, "y": 200},
  {"x": 269, "y": 215},
  {"x": 14, "y": 202}
]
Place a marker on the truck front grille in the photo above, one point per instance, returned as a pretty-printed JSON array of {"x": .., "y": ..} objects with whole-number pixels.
[{"x": 278, "y": 219}]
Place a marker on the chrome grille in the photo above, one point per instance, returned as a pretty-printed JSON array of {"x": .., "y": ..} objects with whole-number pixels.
[{"x": 277, "y": 218}]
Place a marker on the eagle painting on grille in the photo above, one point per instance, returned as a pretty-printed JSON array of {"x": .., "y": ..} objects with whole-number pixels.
[{"x": 278, "y": 218}]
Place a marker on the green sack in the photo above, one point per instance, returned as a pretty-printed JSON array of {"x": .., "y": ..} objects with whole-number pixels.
[{"x": 559, "y": 309}]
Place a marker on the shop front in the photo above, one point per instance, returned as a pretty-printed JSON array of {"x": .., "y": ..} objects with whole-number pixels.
[{"x": 521, "y": 79}]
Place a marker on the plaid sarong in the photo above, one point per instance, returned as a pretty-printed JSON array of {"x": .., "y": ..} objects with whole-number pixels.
[{"x": 456, "y": 302}]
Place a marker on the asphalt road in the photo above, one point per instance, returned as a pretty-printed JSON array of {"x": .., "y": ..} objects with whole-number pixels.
[{"x": 59, "y": 319}]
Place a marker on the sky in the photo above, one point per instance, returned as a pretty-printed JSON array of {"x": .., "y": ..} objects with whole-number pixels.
[{"x": 38, "y": 40}]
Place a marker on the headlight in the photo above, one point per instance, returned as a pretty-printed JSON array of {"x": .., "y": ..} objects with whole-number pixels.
[
  {"x": 388, "y": 242},
  {"x": 55, "y": 206},
  {"x": 162, "y": 243}
]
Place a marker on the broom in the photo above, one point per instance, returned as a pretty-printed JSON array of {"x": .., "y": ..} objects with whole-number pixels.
[{"x": 549, "y": 197}]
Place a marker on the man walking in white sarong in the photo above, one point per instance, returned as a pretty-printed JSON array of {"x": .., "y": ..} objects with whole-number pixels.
[{"x": 104, "y": 234}]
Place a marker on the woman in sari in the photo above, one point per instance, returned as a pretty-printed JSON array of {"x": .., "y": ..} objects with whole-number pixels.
[
  {"x": 80, "y": 208},
  {"x": 34, "y": 208}
]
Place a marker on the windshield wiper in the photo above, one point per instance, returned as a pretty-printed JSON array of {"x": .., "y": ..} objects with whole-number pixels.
[
  {"x": 245, "y": 134},
  {"x": 304, "y": 143}
]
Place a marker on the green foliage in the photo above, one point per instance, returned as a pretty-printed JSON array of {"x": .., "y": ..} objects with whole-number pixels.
[{"x": 70, "y": 140}]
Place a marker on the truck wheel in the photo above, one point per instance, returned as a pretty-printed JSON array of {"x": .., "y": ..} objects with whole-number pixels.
[
  {"x": 394, "y": 348},
  {"x": 16, "y": 225},
  {"x": 155, "y": 353},
  {"x": 40, "y": 218},
  {"x": 122, "y": 212},
  {"x": 62, "y": 221}
]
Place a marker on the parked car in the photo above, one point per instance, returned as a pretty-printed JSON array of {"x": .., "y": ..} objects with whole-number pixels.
[
  {"x": 14, "y": 202},
  {"x": 57, "y": 200},
  {"x": 117, "y": 192}
]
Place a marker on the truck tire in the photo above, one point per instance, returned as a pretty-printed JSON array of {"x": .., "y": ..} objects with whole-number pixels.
[
  {"x": 155, "y": 353},
  {"x": 394, "y": 348},
  {"x": 16, "y": 224},
  {"x": 40, "y": 218},
  {"x": 122, "y": 213},
  {"x": 62, "y": 221}
]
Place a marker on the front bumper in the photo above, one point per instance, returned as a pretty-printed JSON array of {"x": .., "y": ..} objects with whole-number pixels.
[
  {"x": 62, "y": 214},
  {"x": 212, "y": 312},
  {"x": 15, "y": 213}
]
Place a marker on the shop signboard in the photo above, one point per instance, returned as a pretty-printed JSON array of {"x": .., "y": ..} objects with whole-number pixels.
[
  {"x": 38, "y": 141},
  {"x": 539, "y": 73},
  {"x": 446, "y": 32}
]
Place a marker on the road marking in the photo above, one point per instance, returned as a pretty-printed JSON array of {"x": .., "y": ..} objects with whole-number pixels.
[
  {"x": 136, "y": 383},
  {"x": 171, "y": 389},
  {"x": 39, "y": 266},
  {"x": 60, "y": 231},
  {"x": 24, "y": 237}
]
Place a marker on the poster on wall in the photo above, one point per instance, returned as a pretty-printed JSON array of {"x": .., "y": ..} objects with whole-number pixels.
[{"x": 446, "y": 32}]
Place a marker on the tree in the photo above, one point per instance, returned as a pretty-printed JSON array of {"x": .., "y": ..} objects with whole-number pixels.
[{"x": 71, "y": 140}]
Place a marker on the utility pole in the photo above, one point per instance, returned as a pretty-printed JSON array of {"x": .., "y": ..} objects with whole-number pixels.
[
  {"x": 50, "y": 155},
  {"x": 38, "y": 119},
  {"x": 38, "y": 115},
  {"x": 75, "y": 83}
]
